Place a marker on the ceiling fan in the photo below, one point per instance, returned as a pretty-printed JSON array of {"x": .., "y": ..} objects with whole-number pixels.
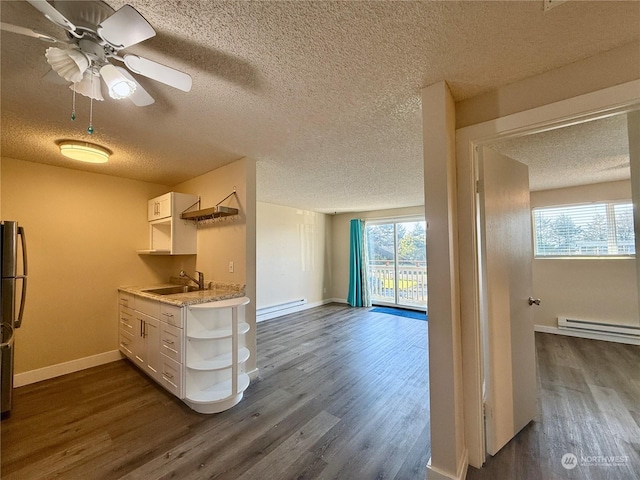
[{"x": 96, "y": 33}]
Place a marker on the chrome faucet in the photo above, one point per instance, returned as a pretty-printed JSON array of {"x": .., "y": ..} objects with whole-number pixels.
[{"x": 199, "y": 282}]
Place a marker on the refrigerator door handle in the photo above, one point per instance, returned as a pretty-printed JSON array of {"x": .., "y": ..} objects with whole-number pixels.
[
  {"x": 23, "y": 297},
  {"x": 24, "y": 250},
  {"x": 23, "y": 277}
]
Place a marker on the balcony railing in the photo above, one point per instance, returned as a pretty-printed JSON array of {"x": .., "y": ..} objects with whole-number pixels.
[{"x": 412, "y": 283}]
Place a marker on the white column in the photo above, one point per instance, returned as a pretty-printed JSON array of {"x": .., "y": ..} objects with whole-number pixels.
[{"x": 448, "y": 452}]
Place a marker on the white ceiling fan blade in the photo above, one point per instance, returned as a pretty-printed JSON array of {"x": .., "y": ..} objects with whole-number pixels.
[
  {"x": 126, "y": 27},
  {"x": 52, "y": 14},
  {"x": 139, "y": 97},
  {"x": 156, "y": 71},
  {"x": 7, "y": 27}
]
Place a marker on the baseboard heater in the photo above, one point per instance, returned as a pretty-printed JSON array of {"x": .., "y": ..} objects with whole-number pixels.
[
  {"x": 281, "y": 306},
  {"x": 622, "y": 331}
]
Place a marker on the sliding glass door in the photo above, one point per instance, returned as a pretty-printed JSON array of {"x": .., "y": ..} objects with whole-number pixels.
[{"x": 397, "y": 268}]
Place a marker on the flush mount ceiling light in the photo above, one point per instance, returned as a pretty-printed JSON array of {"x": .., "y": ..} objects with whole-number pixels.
[{"x": 84, "y": 151}]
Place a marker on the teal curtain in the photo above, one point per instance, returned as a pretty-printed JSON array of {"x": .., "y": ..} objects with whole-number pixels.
[{"x": 358, "y": 282}]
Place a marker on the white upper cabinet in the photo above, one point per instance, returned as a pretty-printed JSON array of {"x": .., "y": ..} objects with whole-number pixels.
[
  {"x": 160, "y": 207},
  {"x": 168, "y": 233}
]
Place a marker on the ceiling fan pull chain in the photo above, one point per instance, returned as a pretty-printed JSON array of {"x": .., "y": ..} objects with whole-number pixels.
[
  {"x": 73, "y": 107},
  {"x": 90, "y": 129}
]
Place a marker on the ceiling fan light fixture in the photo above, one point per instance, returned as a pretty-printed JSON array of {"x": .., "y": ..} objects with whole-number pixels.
[
  {"x": 119, "y": 86},
  {"x": 69, "y": 63},
  {"x": 84, "y": 151},
  {"x": 89, "y": 86}
]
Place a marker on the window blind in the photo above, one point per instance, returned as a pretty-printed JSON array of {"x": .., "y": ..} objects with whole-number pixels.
[{"x": 589, "y": 230}]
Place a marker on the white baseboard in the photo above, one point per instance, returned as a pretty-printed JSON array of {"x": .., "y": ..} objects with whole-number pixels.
[
  {"x": 52, "y": 371},
  {"x": 434, "y": 473},
  {"x": 589, "y": 335},
  {"x": 339, "y": 300},
  {"x": 253, "y": 374},
  {"x": 287, "y": 311}
]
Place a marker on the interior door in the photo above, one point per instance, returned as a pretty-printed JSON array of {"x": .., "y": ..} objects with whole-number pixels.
[{"x": 506, "y": 255}]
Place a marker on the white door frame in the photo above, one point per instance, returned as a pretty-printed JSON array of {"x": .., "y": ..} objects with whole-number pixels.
[{"x": 603, "y": 103}]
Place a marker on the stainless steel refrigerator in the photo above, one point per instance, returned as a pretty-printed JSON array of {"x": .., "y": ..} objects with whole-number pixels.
[{"x": 13, "y": 291}]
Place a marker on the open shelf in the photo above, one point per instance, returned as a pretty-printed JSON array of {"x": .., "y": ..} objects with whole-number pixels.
[
  {"x": 203, "y": 334},
  {"x": 219, "y": 392},
  {"x": 209, "y": 213},
  {"x": 220, "y": 361}
]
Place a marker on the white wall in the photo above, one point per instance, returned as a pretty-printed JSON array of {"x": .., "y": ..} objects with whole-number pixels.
[
  {"x": 293, "y": 253},
  {"x": 340, "y": 244},
  {"x": 603, "y": 290}
]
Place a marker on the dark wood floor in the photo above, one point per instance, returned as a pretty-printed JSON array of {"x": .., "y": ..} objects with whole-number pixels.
[
  {"x": 342, "y": 393},
  {"x": 589, "y": 406}
]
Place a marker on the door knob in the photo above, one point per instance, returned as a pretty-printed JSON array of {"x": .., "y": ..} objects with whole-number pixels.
[{"x": 533, "y": 301}]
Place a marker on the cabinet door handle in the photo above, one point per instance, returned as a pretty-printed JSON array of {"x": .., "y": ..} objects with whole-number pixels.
[
  {"x": 167, "y": 374},
  {"x": 168, "y": 314},
  {"x": 172, "y": 350},
  {"x": 168, "y": 342}
]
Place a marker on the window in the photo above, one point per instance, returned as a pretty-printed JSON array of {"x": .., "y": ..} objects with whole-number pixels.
[
  {"x": 590, "y": 230},
  {"x": 397, "y": 268}
]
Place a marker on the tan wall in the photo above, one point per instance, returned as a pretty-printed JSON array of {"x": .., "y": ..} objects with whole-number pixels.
[
  {"x": 232, "y": 240},
  {"x": 604, "y": 290},
  {"x": 340, "y": 244},
  {"x": 82, "y": 230},
  {"x": 614, "y": 67},
  {"x": 293, "y": 255}
]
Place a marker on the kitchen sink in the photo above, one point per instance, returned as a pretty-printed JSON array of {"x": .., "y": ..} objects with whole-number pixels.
[{"x": 171, "y": 290}]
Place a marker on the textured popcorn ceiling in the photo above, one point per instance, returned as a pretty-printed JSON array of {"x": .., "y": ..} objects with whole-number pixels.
[
  {"x": 591, "y": 152},
  {"x": 325, "y": 96}
]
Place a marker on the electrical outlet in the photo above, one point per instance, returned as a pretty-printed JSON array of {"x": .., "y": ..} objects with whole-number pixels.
[
  {"x": 230, "y": 267},
  {"x": 549, "y": 4}
]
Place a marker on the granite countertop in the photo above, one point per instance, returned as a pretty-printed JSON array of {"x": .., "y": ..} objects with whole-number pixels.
[{"x": 215, "y": 291}]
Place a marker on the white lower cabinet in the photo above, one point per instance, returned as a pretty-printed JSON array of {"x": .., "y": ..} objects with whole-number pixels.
[
  {"x": 142, "y": 336},
  {"x": 204, "y": 367}
]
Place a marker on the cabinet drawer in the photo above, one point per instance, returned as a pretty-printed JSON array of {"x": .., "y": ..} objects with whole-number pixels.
[
  {"x": 125, "y": 299},
  {"x": 148, "y": 306},
  {"x": 127, "y": 319},
  {"x": 171, "y": 314},
  {"x": 171, "y": 375},
  {"x": 171, "y": 341},
  {"x": 126, "y": 343}
]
